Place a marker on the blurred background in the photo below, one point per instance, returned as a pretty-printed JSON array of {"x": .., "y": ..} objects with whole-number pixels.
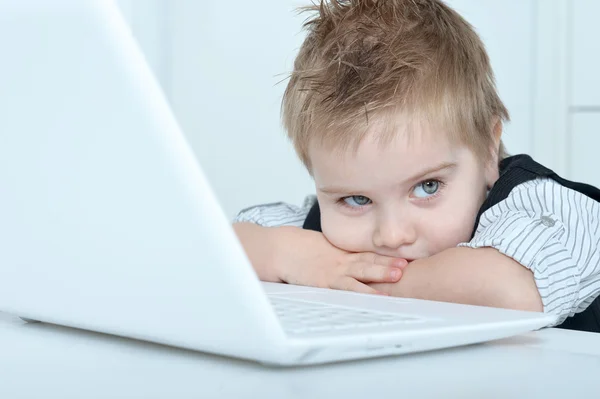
[{"x": 223, "y": 64}]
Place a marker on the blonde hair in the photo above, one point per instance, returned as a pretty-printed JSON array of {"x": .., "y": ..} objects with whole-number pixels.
[{"x": 368, "y": 60}]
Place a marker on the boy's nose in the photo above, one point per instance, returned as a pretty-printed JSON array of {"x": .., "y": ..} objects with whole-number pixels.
[{"x": 394, "y": 234}]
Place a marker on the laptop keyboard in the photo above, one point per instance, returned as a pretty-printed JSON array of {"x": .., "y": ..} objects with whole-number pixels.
[{"x": 301, "y": 317}]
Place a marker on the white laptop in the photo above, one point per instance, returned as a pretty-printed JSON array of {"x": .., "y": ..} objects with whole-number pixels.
[{"x": 107, "y": 222}]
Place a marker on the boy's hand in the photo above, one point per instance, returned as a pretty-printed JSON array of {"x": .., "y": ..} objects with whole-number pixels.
[{"x": 305, "y": 257}]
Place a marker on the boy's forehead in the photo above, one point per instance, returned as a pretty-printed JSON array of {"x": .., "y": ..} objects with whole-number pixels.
[
  {"x": 404, "y": 135},
  {"x": 377, "y": 160}
]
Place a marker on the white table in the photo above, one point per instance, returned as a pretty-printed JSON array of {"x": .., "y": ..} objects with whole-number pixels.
[{"x": 43, "y": 361}]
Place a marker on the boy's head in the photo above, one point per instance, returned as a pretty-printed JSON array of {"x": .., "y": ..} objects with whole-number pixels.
[{"x": 382, "y": 91}]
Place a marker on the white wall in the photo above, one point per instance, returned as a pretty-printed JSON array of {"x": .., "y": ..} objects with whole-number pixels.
[
  {"x": 219, "y": 63},
  {"x": 226, "y": 64},
  {"x": 583, "y": 112}
]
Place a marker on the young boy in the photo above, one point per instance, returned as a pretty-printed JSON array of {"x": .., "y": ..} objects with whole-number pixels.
[{"x": 393, "y": 110}]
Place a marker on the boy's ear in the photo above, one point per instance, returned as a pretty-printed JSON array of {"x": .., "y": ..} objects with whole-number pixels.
[
  {"x": 492, "y": 172},
  {"x": 497, "y": 132}
]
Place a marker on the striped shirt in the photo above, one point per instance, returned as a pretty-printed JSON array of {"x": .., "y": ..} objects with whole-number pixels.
[{"x": 550, "y": 229}]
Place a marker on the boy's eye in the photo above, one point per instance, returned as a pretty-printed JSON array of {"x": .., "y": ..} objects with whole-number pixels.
[
  {"x": 357, "y": 200},
  {"x": 427, "y": 188}
]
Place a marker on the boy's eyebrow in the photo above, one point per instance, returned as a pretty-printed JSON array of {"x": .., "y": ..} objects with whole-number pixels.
[
  {"x": 433, "y": 169},
  {"x": 416, "y": 177}
]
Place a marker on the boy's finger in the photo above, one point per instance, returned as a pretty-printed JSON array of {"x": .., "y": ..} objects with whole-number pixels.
[
  {"x": 375, "y": 259},
  {"x": 398, "y": 262},
  {"x": 350, "y": 284},
  {"x": 369, "y": 273}
]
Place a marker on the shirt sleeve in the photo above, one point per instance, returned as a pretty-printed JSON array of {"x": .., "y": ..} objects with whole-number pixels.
[
  {"x": 277, "y": 214},
  {"x": 553, "y": 231}
]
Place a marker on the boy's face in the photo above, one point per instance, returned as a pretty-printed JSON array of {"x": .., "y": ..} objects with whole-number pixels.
[{"x": 410, "y": 199}]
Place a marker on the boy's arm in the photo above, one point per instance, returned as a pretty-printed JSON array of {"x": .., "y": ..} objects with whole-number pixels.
[
  {"x": 480, "y": 276},
  {"x": 256, "y": 239},
  {"x": 254, "y": 227}
]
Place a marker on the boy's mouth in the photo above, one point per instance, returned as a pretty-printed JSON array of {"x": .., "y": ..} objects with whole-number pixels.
[{"x": 398, "y": 256}]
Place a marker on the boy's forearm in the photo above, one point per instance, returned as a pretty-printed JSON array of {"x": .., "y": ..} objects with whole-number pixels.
[
  {"x": 258, "y": 244},
  {"x": 472, "y": 276}
]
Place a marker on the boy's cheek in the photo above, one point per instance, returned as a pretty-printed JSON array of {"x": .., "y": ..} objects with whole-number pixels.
[
  {"x": 458, "y": 227},
  {"x": 349, "y": 235}
]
